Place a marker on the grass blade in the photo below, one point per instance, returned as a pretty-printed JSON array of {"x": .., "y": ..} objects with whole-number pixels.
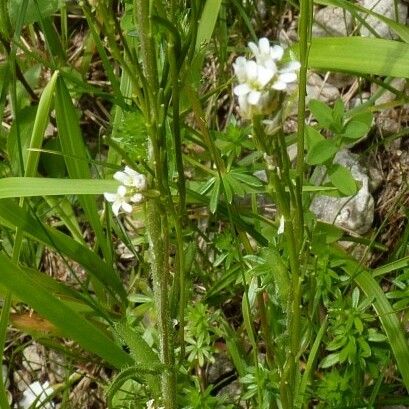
[
  {"x": 75, "y": 327},
  {"x": 72, "y": 143},
  {"x": 29, "y": 186},
  {"x": 382, "y": 57},
  {"x": 207, "y": 22},
  {"x": 14, "y": 216}
]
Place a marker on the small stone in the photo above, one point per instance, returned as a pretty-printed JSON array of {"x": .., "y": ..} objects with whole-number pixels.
[
  {"x": 21, "y": 379},
  {"x": 317, "y": 88},
  {"x": 389, "y": 121},
  {"x": 385, "y": 8},
  {"x": 332, "y": 21},
  {"x": 352, "y": 213},
  {"x": 219, "y": 368},
  {"x": 32, "y": 360}
]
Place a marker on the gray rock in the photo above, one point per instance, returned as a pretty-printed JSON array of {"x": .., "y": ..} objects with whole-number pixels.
[
  {"x": 387, "y": 9},
  {"x": 317, "y": 88},
  {"x": 331, "y": 21},
  {"x": 389, "y": 121},
  {"x": 352, "y": 213},
  {"x": 32, "y": 360}
]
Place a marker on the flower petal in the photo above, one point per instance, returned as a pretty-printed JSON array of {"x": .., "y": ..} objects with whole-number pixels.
[
  {"x": 115, "y": 207},
  {"x": 137, "y": 198},
  {"x": 121, "y": 192},
  {"x": 253, "y": 48},
  {"x": 291, "y": 66},
  {"x": 121, "y": 177},
  {"x": 127, "y": 207},
  {"x": 279, "y": 86},
  {"x": 129, "y": 171},
  {"x": 277, "y": 52},
  {"x": 139, "y": 181},
  {"x": 281, "y": 227},
  {"x": 251, "y": 70},
  {"x": 287, "y": 77},
  {"x": 241, "y": 89},
  {"x": 240, "y": 69},
  {"x": 110, "y": 197},
  {"x": 254, "y": 97},
  {"x": 264, "y": 45},
  {"x": 264, "y": 76}
]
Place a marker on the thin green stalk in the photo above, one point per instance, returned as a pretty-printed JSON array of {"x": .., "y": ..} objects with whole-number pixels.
[
  {"x": 156, "y": 215},
  {"x": 305, "y": 44}
]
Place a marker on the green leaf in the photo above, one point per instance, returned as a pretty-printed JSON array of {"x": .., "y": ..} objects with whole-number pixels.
[
  {"x": 330, "y": 360},
  {"x": 47, "y": 8},
  {"x": 14, "y": 216},
  {"x": 139, "y": 348},
  {"x": 40, "y": 124},
  {"x": 26, "y": 187},
  {"x": 342, "y": 179},
  {"x": 321, "y": 152},
  {"x": 245, "y": 178},
  {"x": 358, "y": 126},
  {"x": 393, "y": 266},
  {"x": 207, "y": 22},
  {"x": 214, "y": 196},
  {"x": 26, "y": 119},
  {"x": 338, "y": 112},
  {"x": 375, "y": 336},
  {"x": 70, "y": 323},
  {"x": 326, "y": 233},
  {"x": 386, "y": 314},
  {"x": 355, "y": 297},
  {"x": 360, "y": 55},
  {"x": 72, "y": 145},
  {"x": 312, "y": 137},
  {"x": 322, "y": 113}
]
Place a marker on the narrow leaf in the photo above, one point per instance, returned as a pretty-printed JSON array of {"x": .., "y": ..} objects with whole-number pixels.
[
  {"x": 14, "y": 216},
  {"x": 69, "y": 322},
  {"x": 29, "y": 186},
  {"x": 382, "y": 57}
]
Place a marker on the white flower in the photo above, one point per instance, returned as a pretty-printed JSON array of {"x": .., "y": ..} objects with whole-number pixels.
[
  {"x": 281, "y": 226},
  {"x": 131, "y": 178},
  {"x": 150, "y": 404},
  {"x": 119, "y": 200},
  {"x": 266, "y": 55},
  {"x": 36, "y": 392},
  {"x": 286, "y": 75},
  {"x": 132, "y": 184},
  {"x": 136, "y": 198},
  {"x": 258, "y": 79}
]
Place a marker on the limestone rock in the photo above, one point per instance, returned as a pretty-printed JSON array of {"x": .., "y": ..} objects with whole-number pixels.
[
  {"x": 331, "y": 21},
  {"x": 387, "y": 9},
  {"x": 352, "y": 213}
]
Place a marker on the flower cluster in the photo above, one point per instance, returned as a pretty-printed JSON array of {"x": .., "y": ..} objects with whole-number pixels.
[
  {"x": 259, "y": 77},
  {"x": 129, "y": 192},
  {"x": 151, "y": 405}
]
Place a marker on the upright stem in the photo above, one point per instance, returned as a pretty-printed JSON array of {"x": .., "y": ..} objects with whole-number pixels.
[{"x": 156, "y": 215}]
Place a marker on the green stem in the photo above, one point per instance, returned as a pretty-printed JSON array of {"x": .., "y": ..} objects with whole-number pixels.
[
  {"x": 305, "y": 44},
  {"x": 156, "y": 213}
]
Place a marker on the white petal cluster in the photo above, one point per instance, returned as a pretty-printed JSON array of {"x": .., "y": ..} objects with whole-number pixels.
[
  {"x": 36, "y": 392},
  {"x": 150, "y": 404},
  {"x": 129, "y": 192},
  {"x": 259, "y": 77}
]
